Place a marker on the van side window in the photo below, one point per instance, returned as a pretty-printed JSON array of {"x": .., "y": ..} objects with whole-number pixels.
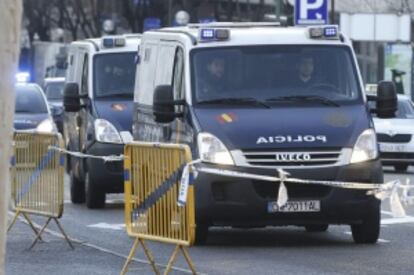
[
  {"x": 85, "y": 73},
  {"x": 178, "y": 75}
]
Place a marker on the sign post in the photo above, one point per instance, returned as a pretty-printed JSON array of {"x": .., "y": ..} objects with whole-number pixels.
[{"x": 311, "y": 12}]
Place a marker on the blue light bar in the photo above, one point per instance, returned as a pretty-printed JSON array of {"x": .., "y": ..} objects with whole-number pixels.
[
  {"x": 214, "y": 35},
  {"x": 330, "y": 32},
  {"x": 207, "y": 34},
  {"x": 23, "y": 77},
  {"x": 108, "y": 42}
]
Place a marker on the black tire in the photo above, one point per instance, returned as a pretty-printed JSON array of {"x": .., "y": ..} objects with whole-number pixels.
[
  {"x": 95, "y": 196},
  {"x": 201, "y": 234},
  {"x": 316, "y": 227},
  {"x": 401, "y": 167},
  {"x": 368, "y": 232},
  {"x": 77, "y": 190}
]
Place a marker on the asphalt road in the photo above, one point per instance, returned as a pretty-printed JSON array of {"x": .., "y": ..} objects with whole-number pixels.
[{"x": 101, "y": 247}]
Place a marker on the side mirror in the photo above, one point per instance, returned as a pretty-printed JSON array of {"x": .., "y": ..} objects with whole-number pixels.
[
  {"x": 71, "y": 97},
  {"x": 164, "y": 103},
  {"x": 386, "y": 99},
  {"x": 55, "y": 110}
]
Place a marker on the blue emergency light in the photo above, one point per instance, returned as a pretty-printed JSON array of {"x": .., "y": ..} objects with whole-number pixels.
[
  {"x": 110, "y": 42},
  {"x": 214, "y": 34},
  {"x": 22, "y": 77},
  {"x": 329, "y": 32}
]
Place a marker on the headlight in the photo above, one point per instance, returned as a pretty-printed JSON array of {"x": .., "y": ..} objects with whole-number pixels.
[
  {"x": 106, "y": 132},
  {"x": 46, "y": 126},
  {"x": 212, "y": 150},
  {"x": 366, "y": 147}
]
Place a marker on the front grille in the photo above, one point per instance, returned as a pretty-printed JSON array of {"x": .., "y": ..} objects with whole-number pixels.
[
  {"x": 269, "y": 190},
  {"x": 399, "y": 138},
  {"x": 292, "y": 158}
]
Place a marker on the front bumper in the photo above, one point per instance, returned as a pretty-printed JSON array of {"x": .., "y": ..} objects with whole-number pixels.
[
  {"x": 395, "y": 153},
  {"x": 229, "y": 201},
  {"x": 109, "y": 175}
]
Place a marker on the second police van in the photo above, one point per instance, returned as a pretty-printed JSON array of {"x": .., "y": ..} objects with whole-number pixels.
[
  {"x": 98, "y": 98},
  {"x": 253, "y": 98}
]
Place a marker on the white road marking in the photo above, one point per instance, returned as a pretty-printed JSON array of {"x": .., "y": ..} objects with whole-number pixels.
[
  {"x": 103, "y": 225},
  {"x": 104, "y": 250},
  {"x": 407, "y": 219},
  {"x": 379, "y": 240}
]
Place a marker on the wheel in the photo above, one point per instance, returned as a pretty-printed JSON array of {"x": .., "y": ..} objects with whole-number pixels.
[
  {"x": 316, "y": 227},
  {"x": 368, "y": 231},
  {"x": 77, "y": 189},
  {"x": 95, "y": 197},
  {"x": 201, "y": 234},
  {"x": 401, "y": 167}
]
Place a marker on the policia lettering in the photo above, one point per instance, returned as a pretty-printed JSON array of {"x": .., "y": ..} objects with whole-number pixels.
[{"x": 291, "y": 139}]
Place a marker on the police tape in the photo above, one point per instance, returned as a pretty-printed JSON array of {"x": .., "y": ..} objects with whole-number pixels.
[
  {"x": 110, "y": 158},
  {"x": 398, "y": 193},
  {"x": 381, "y": 191}
]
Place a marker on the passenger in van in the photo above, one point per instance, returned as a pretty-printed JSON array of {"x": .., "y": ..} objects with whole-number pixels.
[{"x": 213, "y": 81}]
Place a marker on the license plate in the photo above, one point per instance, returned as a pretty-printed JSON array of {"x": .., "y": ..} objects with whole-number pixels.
[
  {"x": 295, "y": 206},
  {"x": 391, "y": 147}
]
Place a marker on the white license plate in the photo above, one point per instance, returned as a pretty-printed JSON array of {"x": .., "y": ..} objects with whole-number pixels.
[
  {"x": 295, "y": 206},
  {"x": 391, "y": 147}
]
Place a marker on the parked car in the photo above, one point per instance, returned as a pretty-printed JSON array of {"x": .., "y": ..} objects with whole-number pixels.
[
  {"x": 53, "y": 88},
  {"x": 395, "y": 136},
  {"x": 31, "y": 109}
]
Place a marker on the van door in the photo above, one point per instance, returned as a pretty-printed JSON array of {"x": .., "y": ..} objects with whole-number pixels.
[
  {"x": 157, "y": 62},
  {"x": 181, "y": 132}
]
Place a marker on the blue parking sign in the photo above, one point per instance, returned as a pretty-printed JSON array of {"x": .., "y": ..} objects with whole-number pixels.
[{"x": 311, "y": 12}]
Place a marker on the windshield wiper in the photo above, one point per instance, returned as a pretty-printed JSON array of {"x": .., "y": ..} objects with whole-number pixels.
[
  {"x": 236, "y": 100},
  {"x": 323, "y": 100}
]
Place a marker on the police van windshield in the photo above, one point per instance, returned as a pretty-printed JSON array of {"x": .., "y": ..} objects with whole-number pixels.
[
  {"x": 275, "y": 74},
  {"x": 114, "y": 75}
]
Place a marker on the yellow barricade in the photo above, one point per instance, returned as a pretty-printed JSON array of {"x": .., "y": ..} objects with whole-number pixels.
[
  {"x": 152, "y": 182},
  {"x": 37, "y": 176}
]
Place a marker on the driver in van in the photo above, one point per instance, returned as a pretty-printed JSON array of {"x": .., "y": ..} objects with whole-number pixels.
[
  {"x": 213, "y": 82},
  {"x": 305, "y": 72}
]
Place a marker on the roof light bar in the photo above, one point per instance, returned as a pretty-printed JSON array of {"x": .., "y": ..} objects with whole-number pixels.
[
  {"x": 324, "y": 32},
  {"x": 209, "y": 34},
  {"x": 23, "y": 77},
  {"x": 111, "y": 42}
]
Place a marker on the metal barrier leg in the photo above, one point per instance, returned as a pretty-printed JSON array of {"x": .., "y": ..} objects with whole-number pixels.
[
  {"x": 29, "y": 221},
  {"x": 40, "y": 233},
  {"x": 188, "y": 259},
  {"x": 13, "y": 221},
  {"x": 172, "y": 260},
  {"x": 130, "y": 256},
  {"x": 149, "y": 256},
  {"x": 63, "y": 233},
  {"x": 132, "y": 253}
]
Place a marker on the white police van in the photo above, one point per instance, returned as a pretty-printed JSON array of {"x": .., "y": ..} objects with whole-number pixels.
[
  {"x": 98, "y": 99},
  {"x": 253, "y": 97}
]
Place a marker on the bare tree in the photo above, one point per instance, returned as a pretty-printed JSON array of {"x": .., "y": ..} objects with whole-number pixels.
[{"x": 10, "y": 14}]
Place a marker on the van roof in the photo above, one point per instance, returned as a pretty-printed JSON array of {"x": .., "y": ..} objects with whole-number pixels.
[
  {"x": 131, "y": 43},
  {"x": 253, "y": 34}
]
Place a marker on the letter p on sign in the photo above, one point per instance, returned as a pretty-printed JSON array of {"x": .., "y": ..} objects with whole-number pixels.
[{"x": 311, "y": 12}]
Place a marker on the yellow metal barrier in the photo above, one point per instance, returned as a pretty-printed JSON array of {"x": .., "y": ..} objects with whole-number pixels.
[
  {"x": 152, "y": 182},
  {"x": 37, "y": 174}
]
